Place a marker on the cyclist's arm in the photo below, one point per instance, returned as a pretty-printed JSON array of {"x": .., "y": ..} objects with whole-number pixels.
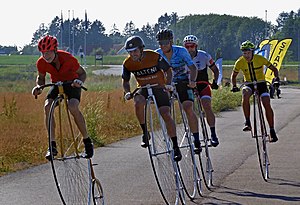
[
  {"x": 193, "y": 72},
  {"x": 274, "y": 69},
  {"x": 169, "y": 76},
  {"x": 126, "y": 85},
  {"x": 215, "y": 71},
  {"x": 40, "y": 79},
  {"x": 81, "y": 73},
  {"x": 233, "y": 78}
]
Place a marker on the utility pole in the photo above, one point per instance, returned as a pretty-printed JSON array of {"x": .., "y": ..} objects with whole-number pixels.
[
  {"x": 69, "y": 31},
  {"x": 73, "y": 31},
  {"x": 266, "y": 24}
]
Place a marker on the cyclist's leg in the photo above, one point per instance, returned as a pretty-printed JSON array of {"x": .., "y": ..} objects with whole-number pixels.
[
  {"x": 74, "y": 95},
  {"x": 170, "y": 124},
  {"x": 52, "y": 93},
  {"x": 247, "y": 92},
  {"x": 210, "y": 116},
  {"x": 265, "y": 98},
  {"x": 205, "y": 95},
  {"x": 139, "y": 105},
  {"x": 269, "y": 115},
  {"x": 171, "y": 129},
  {"x": 186, "y": 97},
  {"x": 73, "y": 105},
  {"x": 47, "y": 106},
  {"x": 163, "y": 103},
  {"x": 269, "y": 111}
]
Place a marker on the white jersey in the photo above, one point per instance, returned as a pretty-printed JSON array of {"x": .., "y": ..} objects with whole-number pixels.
[{"x": 202, "y": 61}]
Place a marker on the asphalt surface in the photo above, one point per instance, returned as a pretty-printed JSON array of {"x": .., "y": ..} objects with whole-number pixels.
[{"x": 125, "y": 172}]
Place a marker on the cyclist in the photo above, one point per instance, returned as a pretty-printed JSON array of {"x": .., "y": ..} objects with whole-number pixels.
[
  {"x": 252, "y": 66},
  {"x": 149, "y": 67},
  {"x": 274, "y": 87},
  {"x": 61, "y": 66},
  {"x": 203, "y": 61},
  {"x": 184, "y": 78}
]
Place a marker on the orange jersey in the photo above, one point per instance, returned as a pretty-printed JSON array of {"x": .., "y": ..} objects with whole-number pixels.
[
  {"x": 150, "y": 70},
  {"x": 67, "y": 71}
]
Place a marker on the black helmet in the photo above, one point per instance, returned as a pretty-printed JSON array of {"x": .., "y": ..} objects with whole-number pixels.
[
  {"x": 133, "y": 43},
  {"x": 165, "y": 34}
]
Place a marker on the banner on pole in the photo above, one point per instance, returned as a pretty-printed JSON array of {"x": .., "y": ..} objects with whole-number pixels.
[
  {"x": 219, "y": 66},
  {"x": 277, "y": 57}
]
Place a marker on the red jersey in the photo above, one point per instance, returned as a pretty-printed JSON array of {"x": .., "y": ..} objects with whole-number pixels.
[{"x": 67, "y": 71}]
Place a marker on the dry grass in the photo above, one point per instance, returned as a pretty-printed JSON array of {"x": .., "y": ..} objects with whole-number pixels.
[{"x": 23, "y": 135}]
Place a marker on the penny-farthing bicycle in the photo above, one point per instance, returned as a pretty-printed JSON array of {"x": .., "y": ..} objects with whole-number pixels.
[
  {"x": 204, "y": 156},
  {"x": 161, "y": 154},
  {"x": 73, "y": 173},
  {"x": 188, "y": 171},
  {"x": 259, "y": 131}
]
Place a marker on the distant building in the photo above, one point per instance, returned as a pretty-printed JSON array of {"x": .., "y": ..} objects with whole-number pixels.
[{"x": 3, "y": 53}]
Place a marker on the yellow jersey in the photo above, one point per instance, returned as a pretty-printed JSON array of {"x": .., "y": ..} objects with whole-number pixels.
[{"x": 254, "y": 70}]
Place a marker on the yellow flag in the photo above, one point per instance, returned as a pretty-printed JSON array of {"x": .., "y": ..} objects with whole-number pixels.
[
  {"x": 277, "y": 56},
  {"x": 263, "y": 42},
  {"x": 273, "y": 43}
]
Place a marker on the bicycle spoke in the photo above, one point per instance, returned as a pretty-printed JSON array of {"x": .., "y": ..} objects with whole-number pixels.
[
  {"x": 97, "y": 191},
  {"x": 260, "y": 133},
  {"x": 70, "y": 170},
  {"x": 187, "y": 167},
  {"x": 204, "y": 157},
  {"x": 164, "y": 168}
]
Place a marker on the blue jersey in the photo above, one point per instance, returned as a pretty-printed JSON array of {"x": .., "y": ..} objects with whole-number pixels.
[{"x": 180, "y": 58}]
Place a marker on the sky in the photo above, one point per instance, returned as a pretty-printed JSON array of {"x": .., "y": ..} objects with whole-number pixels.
[{"x": 20, "y": 19}]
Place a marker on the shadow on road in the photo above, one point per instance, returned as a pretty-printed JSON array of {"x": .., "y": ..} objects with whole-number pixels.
[{"x": 243, "y": 193}]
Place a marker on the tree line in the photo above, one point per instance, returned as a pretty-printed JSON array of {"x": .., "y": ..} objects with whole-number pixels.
[{"x": 218, "y": 34}]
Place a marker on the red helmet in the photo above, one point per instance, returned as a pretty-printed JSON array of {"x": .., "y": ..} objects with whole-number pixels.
[{"x": 48, "y": 43}]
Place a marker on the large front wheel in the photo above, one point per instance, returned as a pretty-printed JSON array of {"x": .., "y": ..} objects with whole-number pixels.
[
  {"x": 261, "y": 137},
  {"x": 204, "y": 156},
  {"x": 70, "y": 170},
  {"x": 161, "y": 156},
  {"x": 188, "y": 172}
]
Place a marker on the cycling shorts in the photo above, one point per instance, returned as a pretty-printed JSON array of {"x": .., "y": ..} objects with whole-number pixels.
[
  {"x": 204, "y": 90},
  {"x": 70, "y": 91},
  {"x": 184, "y": 92},
  {"x": 162, "y": 96},
  {"x": 261, "y": 87}
]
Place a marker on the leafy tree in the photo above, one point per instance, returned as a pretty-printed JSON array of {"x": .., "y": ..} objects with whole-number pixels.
[
  {"x": 215, "y": 32},
  {"x": 129, "y": 29}
]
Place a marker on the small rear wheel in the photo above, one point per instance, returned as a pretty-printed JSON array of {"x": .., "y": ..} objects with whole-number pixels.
[{"x": 97, "y": 192}]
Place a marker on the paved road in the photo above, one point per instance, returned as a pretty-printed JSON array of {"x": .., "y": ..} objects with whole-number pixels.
[
  {"x": 113, "y": 70},
  {"x": 127, "y": 178}
]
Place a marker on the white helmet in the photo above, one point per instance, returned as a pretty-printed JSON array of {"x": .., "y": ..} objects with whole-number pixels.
[{"x": 190, "y": 39}]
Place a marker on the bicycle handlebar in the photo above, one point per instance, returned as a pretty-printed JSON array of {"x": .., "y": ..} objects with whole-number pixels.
[
  {"x": 59, "y": 83},
  {"x": 138, "y": 88},
  {"x": 252, "y": 83}
]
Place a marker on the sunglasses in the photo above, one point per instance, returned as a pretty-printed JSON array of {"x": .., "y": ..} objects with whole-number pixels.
[
  {"x": 164, "y": 43},
  {"x": 190, "y": 46}
]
